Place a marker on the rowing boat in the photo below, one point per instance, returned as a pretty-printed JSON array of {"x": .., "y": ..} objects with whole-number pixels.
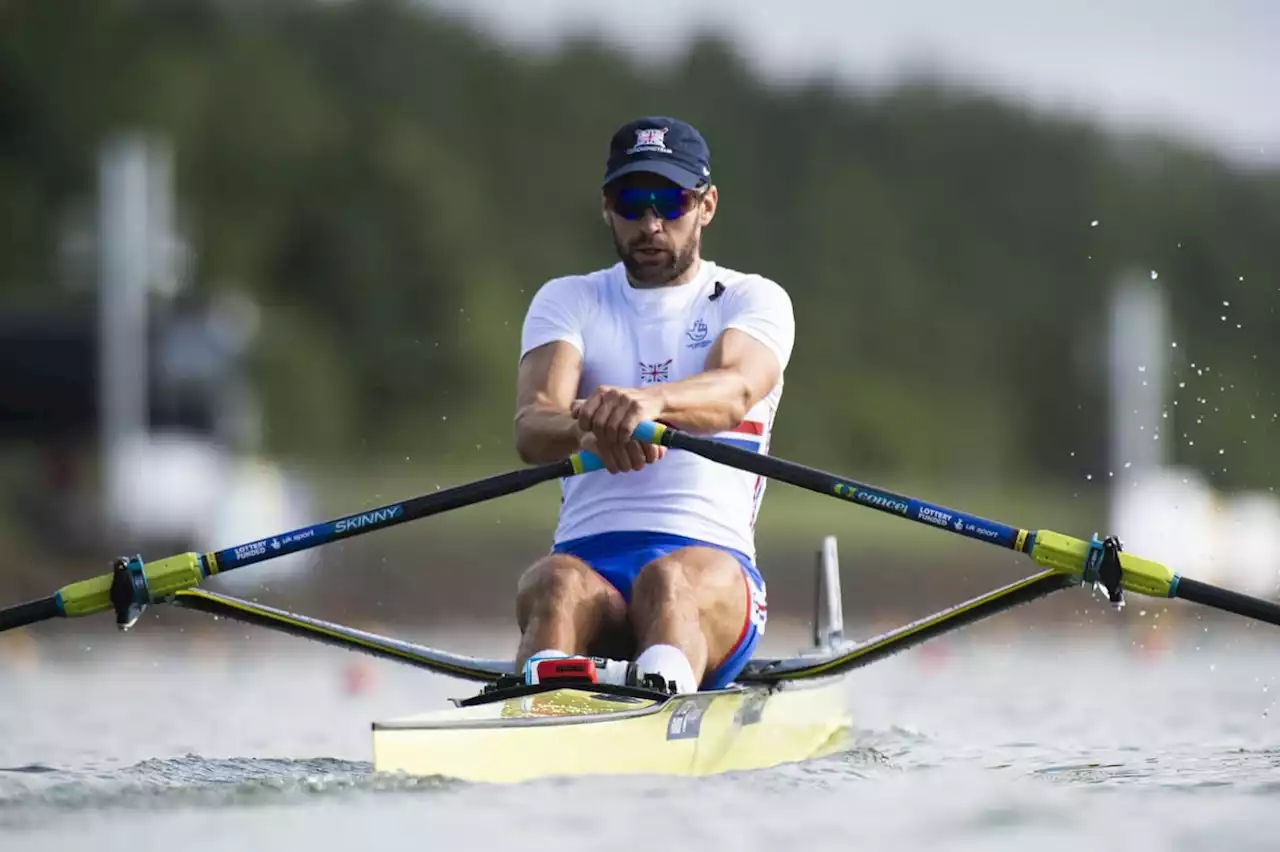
[
  {"x": 512, "y": 731},
  {"x": 780, "y": 710},
  {"x": 522, "y": 733}
]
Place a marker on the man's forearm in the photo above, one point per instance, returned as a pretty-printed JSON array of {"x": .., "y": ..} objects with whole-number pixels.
[
  {"x": 546, "y": 434},
  {"x": 706, "y": 403}
]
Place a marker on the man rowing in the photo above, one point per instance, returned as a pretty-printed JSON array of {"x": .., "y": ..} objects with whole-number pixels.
[{"x": 653, "y": 563}]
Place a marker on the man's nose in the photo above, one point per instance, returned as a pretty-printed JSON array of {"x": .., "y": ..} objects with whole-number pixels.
[{"x": 651, "y": 221}]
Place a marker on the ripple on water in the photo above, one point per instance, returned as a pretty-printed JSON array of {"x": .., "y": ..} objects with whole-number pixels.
[
  {"x": 1188, "y": 769},
  {"x": 28, "y": 794}
]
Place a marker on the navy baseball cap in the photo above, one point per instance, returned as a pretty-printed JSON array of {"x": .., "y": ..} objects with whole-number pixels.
[{"x": 664, "y": 146}]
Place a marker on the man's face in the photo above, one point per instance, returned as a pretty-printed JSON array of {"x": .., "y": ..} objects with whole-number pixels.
[{"x": 656, "y": 249}]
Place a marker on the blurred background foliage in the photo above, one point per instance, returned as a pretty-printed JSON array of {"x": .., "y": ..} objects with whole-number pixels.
[{"x": 391, "y": 187}]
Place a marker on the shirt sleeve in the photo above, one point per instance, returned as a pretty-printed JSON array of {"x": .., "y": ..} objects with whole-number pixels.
[
  {"x": 554, "y": 314},
  {"x": 762, "y": 309}
]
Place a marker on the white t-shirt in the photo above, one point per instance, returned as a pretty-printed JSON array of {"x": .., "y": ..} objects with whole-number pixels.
[{"x": 633, "y": 337}]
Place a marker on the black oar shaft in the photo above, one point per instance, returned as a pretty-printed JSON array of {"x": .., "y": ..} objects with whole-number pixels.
[
  {"x": 1227, "y": 600},
  {"x": 392, "y": 514},
  {"x": 29, "y": 613},
  {"x": 882, "y": 500}
]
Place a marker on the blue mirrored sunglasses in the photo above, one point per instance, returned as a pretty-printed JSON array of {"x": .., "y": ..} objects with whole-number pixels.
[{"x": 668, "y": 202}]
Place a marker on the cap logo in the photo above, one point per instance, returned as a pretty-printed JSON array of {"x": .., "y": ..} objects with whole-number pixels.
[{"x": 650, "y": 139}]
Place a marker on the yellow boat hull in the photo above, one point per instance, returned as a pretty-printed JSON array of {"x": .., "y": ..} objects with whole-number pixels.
[{"x": 573, "y": 731}]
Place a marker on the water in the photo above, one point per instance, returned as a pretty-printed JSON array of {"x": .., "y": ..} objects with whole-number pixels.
[{"x": 995, "y": 741}]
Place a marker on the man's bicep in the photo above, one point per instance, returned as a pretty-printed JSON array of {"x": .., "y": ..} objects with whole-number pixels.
[
  {"x": 756, "y": 362},
  {"x": 549, "y": 375}
]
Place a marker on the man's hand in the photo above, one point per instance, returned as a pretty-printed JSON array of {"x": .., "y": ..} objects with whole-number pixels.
[
  {"x": 632, "y": 455},
  {"x": 608, "y": 417}
]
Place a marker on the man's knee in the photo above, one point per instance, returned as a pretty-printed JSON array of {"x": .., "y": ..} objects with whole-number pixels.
[
  {"x": 663, "y": 579},
  {"x": 553, "y": 577},
  {"x": 557, "y": 582},
  {"x": 698, "y": 571},
  {"x": 708, "y": 580}
]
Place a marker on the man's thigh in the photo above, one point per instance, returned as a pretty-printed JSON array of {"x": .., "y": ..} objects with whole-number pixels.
[{"x": 716, "y": 581}]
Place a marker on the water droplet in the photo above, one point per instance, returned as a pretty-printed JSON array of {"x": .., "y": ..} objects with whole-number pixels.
[
  {"x": 1093, "y": 224},
  {"x": 1174, "y": 344},
  {"x": 1142, "y": 368},
  {"x": 1225, "y": 303},
  {"x": 1154, "y": 275},
  {"x": 1128, "y": 465},
  {"x": 1088, "y": 476}
]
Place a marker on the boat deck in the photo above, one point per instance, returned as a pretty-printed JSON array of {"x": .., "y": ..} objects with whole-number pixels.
[{"x": 584, "y": 730}]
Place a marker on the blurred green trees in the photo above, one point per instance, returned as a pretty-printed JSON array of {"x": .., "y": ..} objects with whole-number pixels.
[{"x": 392, "y": 187}]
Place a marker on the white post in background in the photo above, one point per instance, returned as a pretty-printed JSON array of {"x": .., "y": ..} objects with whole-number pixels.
[
  {"x": 1158, "y": 511},
  {"x": 167, "y": 485},
  {"x": 1139, "y": 365},
  {"x": 124, "y": 252},
  {"x": 1164, "y": 512}
]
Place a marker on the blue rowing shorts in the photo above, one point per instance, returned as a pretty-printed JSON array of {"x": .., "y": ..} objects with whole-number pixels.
[{"x": 619, "y": 557}]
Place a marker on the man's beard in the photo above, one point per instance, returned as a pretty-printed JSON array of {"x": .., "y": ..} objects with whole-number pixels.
[{"x": 678, "y": 262}]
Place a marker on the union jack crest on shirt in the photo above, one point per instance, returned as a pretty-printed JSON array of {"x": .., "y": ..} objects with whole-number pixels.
[{"x": 651, "y": 373}]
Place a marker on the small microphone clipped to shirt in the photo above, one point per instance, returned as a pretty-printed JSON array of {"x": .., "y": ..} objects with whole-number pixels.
[{"x": 718, "y": 293}]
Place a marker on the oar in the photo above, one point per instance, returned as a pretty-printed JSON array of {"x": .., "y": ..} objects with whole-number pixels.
[
  {"x": 132, "y": 585},
  {"x": 1095, "y": 561}
]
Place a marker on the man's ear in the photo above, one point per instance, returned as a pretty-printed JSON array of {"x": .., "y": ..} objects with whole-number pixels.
[
  {"x": 604, "y": 209},
  {"x": 707, "y": 206}
]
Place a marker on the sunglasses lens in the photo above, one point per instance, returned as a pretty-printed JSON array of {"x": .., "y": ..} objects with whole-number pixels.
[{"x": 667, "y": 203}]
